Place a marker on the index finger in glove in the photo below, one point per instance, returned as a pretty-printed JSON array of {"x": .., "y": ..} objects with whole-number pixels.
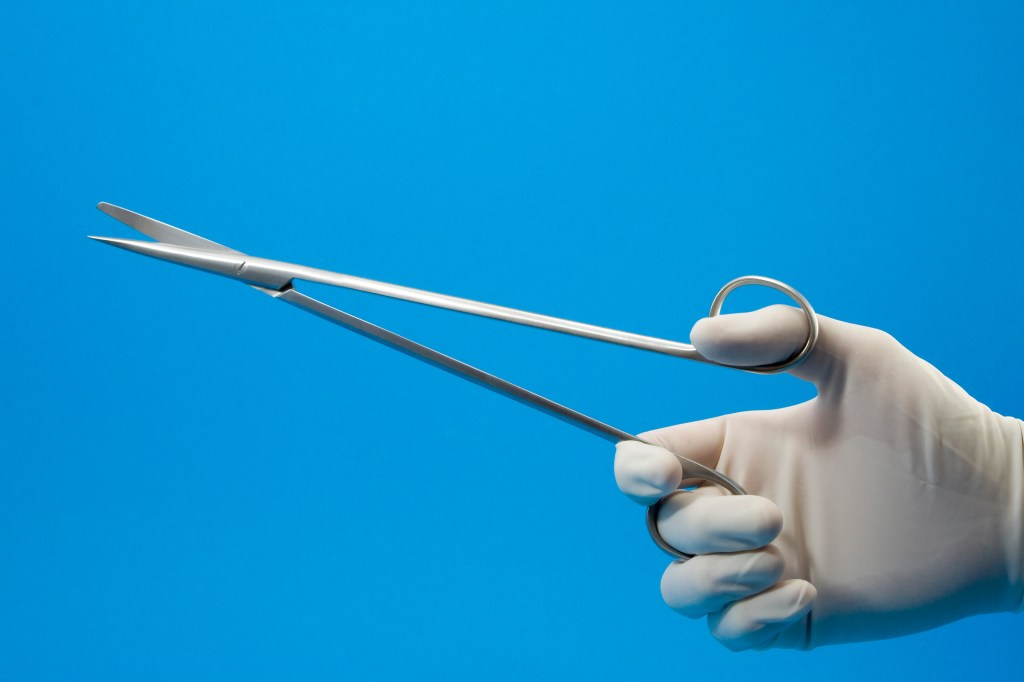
[{"x": 646, "y": 472}]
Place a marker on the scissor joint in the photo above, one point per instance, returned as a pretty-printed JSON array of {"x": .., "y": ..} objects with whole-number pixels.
[{"x": 262, "y": 276}]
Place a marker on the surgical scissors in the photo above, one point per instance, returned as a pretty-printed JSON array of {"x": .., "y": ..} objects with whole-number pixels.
[{"x": 276, "y": 278}]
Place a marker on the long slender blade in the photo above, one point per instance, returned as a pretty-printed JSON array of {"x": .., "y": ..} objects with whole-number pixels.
[
  {"x": 162, "y": 232},
  {"x": 264, "y": 272}
]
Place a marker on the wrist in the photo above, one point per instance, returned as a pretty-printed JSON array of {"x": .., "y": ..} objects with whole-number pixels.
[{"x": 1015, "y": 521}]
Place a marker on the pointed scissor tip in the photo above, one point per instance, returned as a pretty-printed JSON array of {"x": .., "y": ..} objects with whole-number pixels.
[
  {"x": 154, "y": 249},
  {"x": 113, "y": 241}
]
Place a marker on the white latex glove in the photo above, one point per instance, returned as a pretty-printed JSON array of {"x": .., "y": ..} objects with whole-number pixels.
[{"x": 892, "y": 501}]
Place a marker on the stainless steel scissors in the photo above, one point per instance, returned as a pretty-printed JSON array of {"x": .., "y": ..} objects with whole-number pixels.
[{"x": 276, "y": 278}]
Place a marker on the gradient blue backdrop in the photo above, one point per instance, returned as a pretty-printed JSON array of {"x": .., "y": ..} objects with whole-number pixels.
[{"x": 199, "y": 483}]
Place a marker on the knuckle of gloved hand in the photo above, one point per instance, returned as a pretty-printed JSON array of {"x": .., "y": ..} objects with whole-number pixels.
[
  {"x": 764, "y": 519},
  {"x": 867, "y": 347},
  {"x": 802, "y": 595},
  {"x": 877, "y": 340},
  {"x": 752, "y": 622},
  {"x": 750, "y": 572}
]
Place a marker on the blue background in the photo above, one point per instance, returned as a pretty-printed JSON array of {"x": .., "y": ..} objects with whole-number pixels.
[{"x": 198, "y": 483}]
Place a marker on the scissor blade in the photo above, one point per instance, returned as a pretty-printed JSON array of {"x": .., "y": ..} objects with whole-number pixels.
[
  {"x": 226, "y": 263},
  {"x": 162, "y": 232},
  {"x": 188, "y": 249}
]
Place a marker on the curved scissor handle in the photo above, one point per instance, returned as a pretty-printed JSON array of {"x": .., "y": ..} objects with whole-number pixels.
[
  {"x": 798, "y": 298},
  {"x": 691, "y": 471},
  {"x": 696, "y": 471}
]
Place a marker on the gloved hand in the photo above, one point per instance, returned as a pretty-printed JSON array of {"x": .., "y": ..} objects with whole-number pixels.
[{"x": 891, "y": 503}]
